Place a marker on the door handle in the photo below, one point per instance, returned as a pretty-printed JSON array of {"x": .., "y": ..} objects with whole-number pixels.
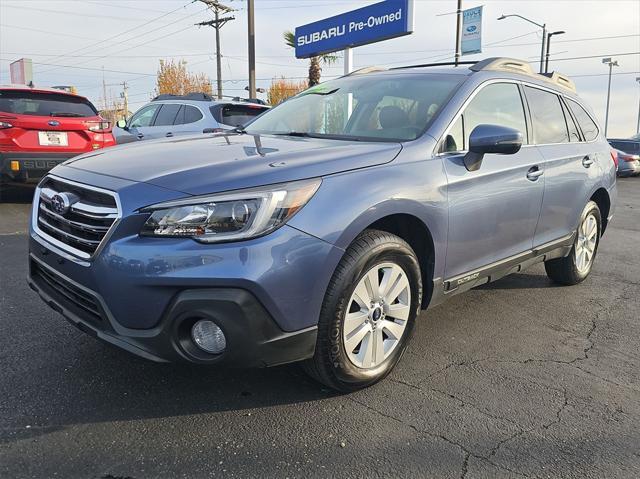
[
  {"x": 169, "y": 135},
  {"x": 140, "y": 136},
  {"x": 534, "y": 173},
  {"x": 587, "y": 161}
]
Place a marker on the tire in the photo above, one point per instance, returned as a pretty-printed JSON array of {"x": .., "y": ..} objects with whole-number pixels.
[
  {"x": 341, "y": 363},
  {"x": 571, "y": 270}
]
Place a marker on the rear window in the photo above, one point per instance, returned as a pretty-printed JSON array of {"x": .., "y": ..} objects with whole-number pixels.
[
  {"x": 236, "y": 115},
  {"x": 589, "y": 128},
  {"x": 626, "y": 146},
  {"x": 44, "y": 104}
]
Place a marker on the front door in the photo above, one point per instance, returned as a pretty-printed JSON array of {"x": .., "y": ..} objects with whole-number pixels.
[{"x": 493, "y": 211}]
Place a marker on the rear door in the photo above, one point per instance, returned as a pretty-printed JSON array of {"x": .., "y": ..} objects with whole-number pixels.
[
  {"x": 189, "y": 120},
  {"x": 492, "y": 211},
  {"x": 570, "y": 165}
]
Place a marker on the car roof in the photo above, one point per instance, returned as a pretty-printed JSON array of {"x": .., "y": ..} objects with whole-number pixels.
[
  {"x": 493, "y": 67},
  {"x": 207, "y": 102},
  {"x": 18, "y": 87}
]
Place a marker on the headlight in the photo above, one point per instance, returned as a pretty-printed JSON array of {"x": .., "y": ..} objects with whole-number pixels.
[{"x": 230, "y": 216}]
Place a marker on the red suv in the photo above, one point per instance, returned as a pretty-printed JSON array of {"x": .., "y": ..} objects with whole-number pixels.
[{"x": 42, "y": 127}]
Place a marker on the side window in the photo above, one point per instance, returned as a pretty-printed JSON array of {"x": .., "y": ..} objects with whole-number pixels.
[
  {"x": 574, "y": 136},
  {"x": 180, "y": 116},
  {"x": 167, "y": 114},
  {"x": 587, "y": 125},
  {"x": 191, "y": 114},
  {"x": 496, "y": 104},
  {"x": 549, "y": 125},
  {"x": 144, "y": 116},
  {"x": 454, "y": 141}
]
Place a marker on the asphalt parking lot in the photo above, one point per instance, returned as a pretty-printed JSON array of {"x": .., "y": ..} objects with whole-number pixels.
[{"x": 520, "y": 378}]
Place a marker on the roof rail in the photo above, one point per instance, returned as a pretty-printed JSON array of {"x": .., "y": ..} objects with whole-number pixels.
[
  {"x": 441, "y": 64},
  {"x": 365, "y": 70},
  {"x": 188, "y": 96},
  {"x": 502, "y": 64},
  {"x": 562, "y": 80}
]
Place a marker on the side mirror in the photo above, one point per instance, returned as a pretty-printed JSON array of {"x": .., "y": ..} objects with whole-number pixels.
[
  {"x": 496, "y": 139},
  {"x": 122, "y": 124}
]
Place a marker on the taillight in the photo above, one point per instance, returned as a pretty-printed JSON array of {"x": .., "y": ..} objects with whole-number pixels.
[
  {"x": 614, "y": 157},
  {"x": 98, "y": 126},
  {"x": 4, "y": 125}
]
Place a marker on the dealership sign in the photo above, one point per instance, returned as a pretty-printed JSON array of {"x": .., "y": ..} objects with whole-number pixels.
[
  {"x": 380, "y": 21},
  {"x": 472, "y": 31}
]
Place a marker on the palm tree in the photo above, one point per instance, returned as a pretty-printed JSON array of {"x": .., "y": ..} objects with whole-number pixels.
[{"x": 315, "y": 68}]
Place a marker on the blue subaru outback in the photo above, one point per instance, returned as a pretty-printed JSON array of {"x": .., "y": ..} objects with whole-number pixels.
[{"x": 320, "y": 231}]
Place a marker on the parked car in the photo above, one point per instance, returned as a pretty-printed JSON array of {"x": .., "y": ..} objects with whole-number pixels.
[
  {"x": 173, "y": 115},
  {"x": 42, "y": 127},
  {"x": 320, "y": 231},
  {"x": 628, "y": 152}
]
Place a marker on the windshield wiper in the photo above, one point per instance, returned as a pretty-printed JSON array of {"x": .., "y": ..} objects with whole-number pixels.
[
  {"x": 65, "y": 113},
  {"x": 301, "y": 134}
]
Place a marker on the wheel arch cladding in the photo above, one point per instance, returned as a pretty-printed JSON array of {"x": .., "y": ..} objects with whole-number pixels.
[
  {"x": 601, "y": 198},
  {"x": 413, "y": 230}
]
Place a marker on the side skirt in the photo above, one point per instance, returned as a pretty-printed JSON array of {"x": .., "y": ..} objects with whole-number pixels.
[{"x": 442, "y": 289}]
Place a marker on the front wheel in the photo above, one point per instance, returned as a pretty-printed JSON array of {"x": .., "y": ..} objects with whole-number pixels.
[
  {"x": 575, "y": 267},
  {"x": 368, "y": 312}
]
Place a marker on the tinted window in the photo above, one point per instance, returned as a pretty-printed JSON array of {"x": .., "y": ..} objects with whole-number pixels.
[
  {"x": 574, "y": 136},
  {"x": 235, "y": 115},
  {"x": 179, "y": 120},
  {"x": 167, "y": 114},
  {"x": 549, "y": 125},
  {"x": 626, "y": 146},
  {"x": 587, "y": 125},
  {"x": 191, "y": 114},
  {"x": 496, "y": 104},
  {"x": 144, "y": 116},
  {"x": 44, "y": 104}
]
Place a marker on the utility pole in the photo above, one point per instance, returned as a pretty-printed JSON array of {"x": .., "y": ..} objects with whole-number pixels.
[
  {"x": 252, "y": 48},
  {"x": 611, "y": 63},
  {"x": 458, "y": 32},
  {"x": 104, "y": 91},
  {"x": 217, "y": 23},
  {"x": 125, "y": 97}
]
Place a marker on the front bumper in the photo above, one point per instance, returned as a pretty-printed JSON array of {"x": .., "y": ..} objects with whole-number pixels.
[
  {"x": 32, "y": 166},
  {"x": 253, "y": 338}
]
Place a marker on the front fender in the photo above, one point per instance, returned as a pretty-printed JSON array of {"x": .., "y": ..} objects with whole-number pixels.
[{"x": 348, "y": 203}]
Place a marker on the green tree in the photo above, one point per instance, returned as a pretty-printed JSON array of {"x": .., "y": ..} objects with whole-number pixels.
[{"x": 315, "y": 63}]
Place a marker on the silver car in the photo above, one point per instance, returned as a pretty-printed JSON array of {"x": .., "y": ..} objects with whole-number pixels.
[
  {"x": 628, "y": 152},
  {"x": 173, "y": 115}
]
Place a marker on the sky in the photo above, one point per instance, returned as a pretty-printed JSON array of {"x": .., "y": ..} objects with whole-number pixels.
[{"x": 72, "y": 41}]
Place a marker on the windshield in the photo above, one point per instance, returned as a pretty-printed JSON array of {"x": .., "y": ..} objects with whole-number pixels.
[
  {"x": 44, "y": 104},
  {"x": 389, "y": 107}
]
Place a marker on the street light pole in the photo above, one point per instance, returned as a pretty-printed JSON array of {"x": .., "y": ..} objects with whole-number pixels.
[
  {"x": 546, "y": 61},
  {"x": 544, "y": 35},
  {"x": 611, "y": 63},
  {"x": 458, "y": 33}
]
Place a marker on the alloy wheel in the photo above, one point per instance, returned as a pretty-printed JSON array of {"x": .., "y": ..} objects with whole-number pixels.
[{"x": 586, "y": 243}]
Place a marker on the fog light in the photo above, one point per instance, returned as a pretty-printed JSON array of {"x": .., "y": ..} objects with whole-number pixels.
[
  {"x": 208, "y": 336},
  {"x": 15, "y": 165}
]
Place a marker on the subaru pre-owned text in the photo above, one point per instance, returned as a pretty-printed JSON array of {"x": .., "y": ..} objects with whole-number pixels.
[{"x": 320, "y": 231}]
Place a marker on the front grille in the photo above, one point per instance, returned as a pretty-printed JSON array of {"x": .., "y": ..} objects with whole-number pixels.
[
  {"x": 65, "y": 290},
  {"x": 76, "y": 217}
]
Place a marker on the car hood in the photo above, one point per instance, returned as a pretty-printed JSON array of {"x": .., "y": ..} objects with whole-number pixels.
[{"x": 210, "y": 163}]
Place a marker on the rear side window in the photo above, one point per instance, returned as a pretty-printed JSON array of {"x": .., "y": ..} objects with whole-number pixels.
[
  {"x": 549, "y": 125},
  {"x": 574, "y": 136},
  {"x": 496, "y": 104},
  {"x": 235, "y": 115},
  {"x": 167, "y": 114},
  {"x": 191, "y": 114},
  {"x": 587, "y": 125},
  {"x": 44, "y": 104}
]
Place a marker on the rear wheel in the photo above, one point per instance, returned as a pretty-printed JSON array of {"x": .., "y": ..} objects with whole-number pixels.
[
  {"x": 368, "y": 313},
  {"x": 575, "y": 267}
]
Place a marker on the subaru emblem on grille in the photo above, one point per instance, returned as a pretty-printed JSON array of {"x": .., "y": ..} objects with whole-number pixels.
[{"x": 61, "y": 202}]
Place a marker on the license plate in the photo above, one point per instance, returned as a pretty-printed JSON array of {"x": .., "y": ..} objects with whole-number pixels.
[{"x": 53, "y": 138}]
